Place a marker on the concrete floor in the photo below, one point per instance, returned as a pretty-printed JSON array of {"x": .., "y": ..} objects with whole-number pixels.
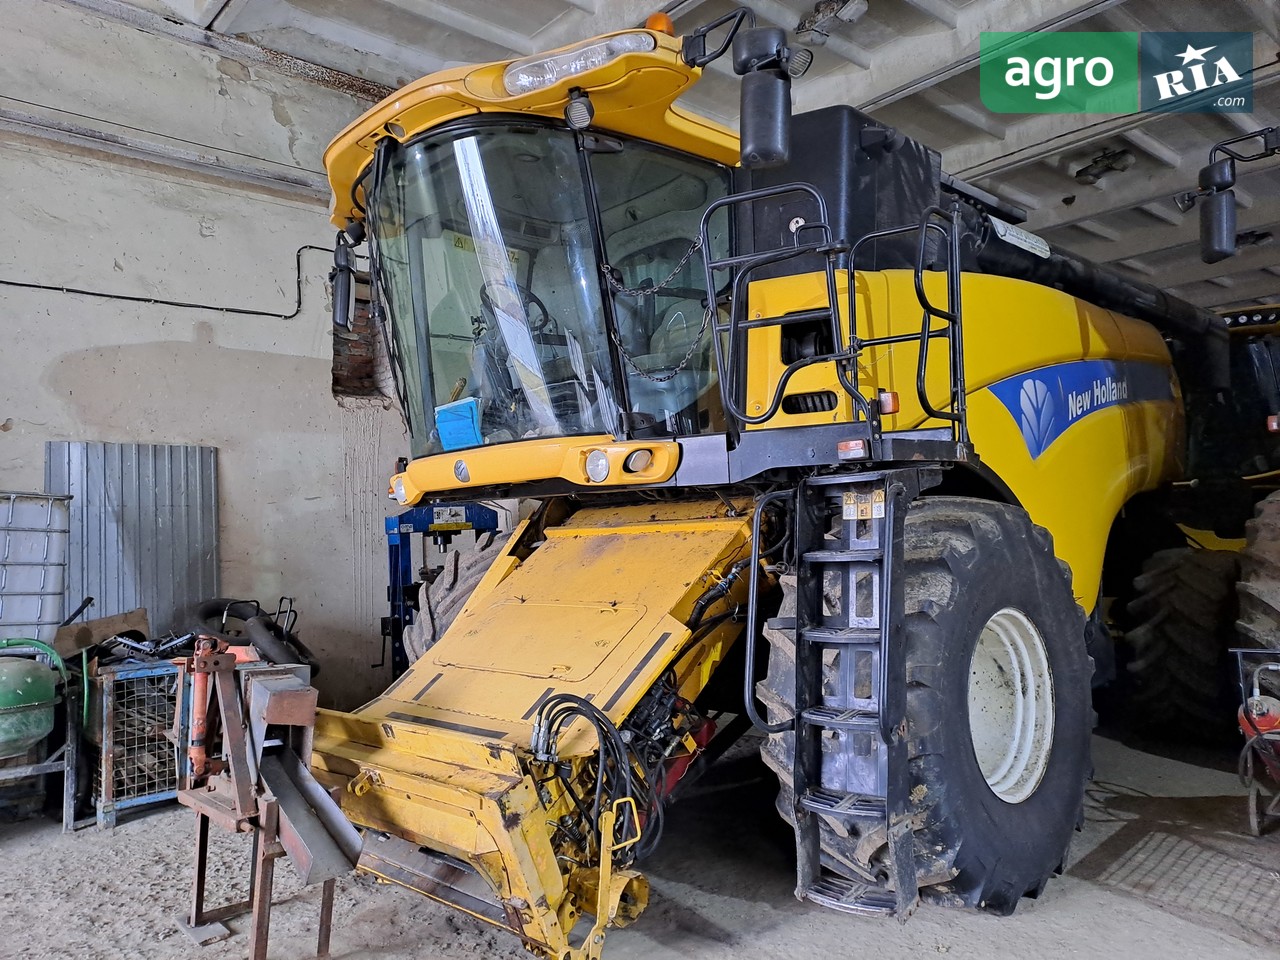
[{"x": 1161, "y": 871}]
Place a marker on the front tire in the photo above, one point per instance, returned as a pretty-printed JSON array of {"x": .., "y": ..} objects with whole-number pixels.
[
  {"x": 1259, "y": 587},
  {"x": 441, "y": 600},
  {"x": 993, "y": 634}
]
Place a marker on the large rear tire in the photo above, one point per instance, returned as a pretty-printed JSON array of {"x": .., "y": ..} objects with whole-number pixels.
[
  {"x": 993, "y": 634},
  {"x": 1259, "y": 587},
  {"x": 1181, "y": 621}
]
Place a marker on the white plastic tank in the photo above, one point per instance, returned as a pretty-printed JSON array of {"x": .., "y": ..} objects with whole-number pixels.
[{"x": 34, "y": 533}]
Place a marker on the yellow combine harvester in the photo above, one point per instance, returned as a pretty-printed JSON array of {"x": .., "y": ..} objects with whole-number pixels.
[{"x": 812, "y": 426}]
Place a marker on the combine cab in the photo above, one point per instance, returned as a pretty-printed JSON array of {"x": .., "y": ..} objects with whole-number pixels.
[{"x": 822, "y": 443}]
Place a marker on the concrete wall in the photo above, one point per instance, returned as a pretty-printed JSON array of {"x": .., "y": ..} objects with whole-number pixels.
[{"x": 206, "y": 202}]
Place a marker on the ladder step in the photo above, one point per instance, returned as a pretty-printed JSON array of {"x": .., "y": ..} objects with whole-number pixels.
[
  {"x": 834, "y": 718},
  {"x": 852, "y": 806},
  {"x": 851, "y": 896},
  {"x": 843, "y": 635},
  {"x": 843, "y": 556},
  {"x": 781, "y": 624}
]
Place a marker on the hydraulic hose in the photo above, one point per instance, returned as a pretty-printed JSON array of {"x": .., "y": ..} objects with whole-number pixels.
[
  {"x": 261, "y": 631},
  {"x": 44, "y": 648},
  {"x": 715, "y": 592},
  {"x": 272, "y": 642}
]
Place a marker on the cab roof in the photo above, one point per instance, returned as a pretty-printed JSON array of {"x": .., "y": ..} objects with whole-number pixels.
[{"x": 633, "y": 94}]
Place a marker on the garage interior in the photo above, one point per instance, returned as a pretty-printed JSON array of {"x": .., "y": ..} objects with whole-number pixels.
[{"x": 184, "y": 420}]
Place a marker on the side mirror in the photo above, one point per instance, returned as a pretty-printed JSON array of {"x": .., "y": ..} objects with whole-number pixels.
[
  {"x": 764, "y": 123},
  {"x": 342, "y": 276},
  {"x": 1218, "y": 226},
  {"x": 764, "y": 116}
]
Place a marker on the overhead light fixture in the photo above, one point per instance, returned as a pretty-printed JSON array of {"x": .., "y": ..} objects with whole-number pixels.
[
  {"x": 1104, "y": 163},
  {"x": 537, "y": 73},
  {"x": 814, "y": 28}
]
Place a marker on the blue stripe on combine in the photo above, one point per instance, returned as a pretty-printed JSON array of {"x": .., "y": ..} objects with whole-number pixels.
[{"x": 1044, "y": 403}]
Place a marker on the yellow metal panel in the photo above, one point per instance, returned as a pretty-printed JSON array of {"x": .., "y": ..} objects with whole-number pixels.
[
  {"x": 494, "y": 639},
  {"x": 599, "y": 626},
  {"x": 1010, "y": 326},
  {"x": 1077, "y": 486},
  {"x": 632, "y": 95},
  {"x": 1208, "y": 540},
  {"x": 563, "y": 457}
]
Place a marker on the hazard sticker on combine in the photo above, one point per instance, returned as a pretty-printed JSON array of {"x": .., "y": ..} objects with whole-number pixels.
[{"x": 863, "y": 505}]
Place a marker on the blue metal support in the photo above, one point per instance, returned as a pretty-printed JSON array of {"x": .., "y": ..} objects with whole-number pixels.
[{"x": 441, "y": 522}]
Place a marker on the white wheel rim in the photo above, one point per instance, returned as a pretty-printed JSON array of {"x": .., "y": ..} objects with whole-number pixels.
[{"x": 1011, "y": 705}]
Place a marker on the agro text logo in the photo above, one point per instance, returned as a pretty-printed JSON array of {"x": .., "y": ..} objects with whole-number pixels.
[{"x": 1059, "y": 72}]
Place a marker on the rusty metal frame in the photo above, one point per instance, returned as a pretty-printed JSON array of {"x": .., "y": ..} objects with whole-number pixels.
[
  {"x": 225, "y": 791},
  {"x": 205, "y": 925}
]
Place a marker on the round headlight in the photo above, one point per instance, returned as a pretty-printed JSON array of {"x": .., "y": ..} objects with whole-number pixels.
[
  {"x": 637, "y": 460},
  {"x": 398, "y": 491},
  {"x": 597, "y": 466}
]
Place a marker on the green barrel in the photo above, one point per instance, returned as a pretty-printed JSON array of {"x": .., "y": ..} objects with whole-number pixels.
[{"x": 28, "y": 693}]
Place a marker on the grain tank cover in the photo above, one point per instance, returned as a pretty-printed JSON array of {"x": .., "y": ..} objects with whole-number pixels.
[{"x": 871, "y": 176}]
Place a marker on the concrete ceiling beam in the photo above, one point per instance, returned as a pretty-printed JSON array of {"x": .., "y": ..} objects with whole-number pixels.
[
  {"x": 940, "y": 10},
  {"x": 906, "y": 65},
  {"x": 971, "y": 115}
]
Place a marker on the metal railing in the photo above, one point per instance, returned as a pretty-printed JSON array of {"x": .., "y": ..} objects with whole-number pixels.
[{"x": 730, "y": 335}]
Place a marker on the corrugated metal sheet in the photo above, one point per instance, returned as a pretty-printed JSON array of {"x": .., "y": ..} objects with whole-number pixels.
[{"x": 144, "y": 525}]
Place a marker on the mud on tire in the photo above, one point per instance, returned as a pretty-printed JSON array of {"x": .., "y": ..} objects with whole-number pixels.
[
  {"x": 1259, "y": 587},
  {"x": 967, "y": 561}
]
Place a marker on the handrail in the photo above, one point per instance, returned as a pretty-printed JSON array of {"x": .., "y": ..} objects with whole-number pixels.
[
  {"x": 895, "y": 496},
  {"x": 733, "y": 395},
  {"x": 951, "y": 316}
]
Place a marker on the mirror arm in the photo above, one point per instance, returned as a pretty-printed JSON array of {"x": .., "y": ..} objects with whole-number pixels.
[
  {"x": 694, "y": 46},
  {"x": 1270, "y": 137}
]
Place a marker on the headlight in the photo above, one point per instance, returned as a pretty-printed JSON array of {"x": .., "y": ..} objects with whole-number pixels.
[
  {"x": 597, "y": 466},
  {"x": 398, "y": 491},
  {"x": 535, "y": 73},
  {"x": 637, "y": 460}
]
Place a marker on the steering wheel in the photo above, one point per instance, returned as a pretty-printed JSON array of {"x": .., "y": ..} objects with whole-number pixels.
[{"x": 527, "y": 297}]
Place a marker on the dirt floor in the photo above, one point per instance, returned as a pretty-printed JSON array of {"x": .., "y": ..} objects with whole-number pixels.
[{"x": 1162, "y": 870}]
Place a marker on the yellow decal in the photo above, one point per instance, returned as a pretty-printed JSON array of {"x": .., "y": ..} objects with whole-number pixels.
[{"x": 463, "y": 242}]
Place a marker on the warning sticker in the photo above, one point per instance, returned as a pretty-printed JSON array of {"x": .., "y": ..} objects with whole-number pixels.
[
  {"x": 863, "y": 504},
  {"x": 850, "y": 506}
]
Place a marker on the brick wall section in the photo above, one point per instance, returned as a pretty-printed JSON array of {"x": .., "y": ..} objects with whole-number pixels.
[{"x": 358, "y": 353}]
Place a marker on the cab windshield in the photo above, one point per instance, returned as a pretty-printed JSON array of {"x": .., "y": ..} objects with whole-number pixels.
[{"x": 486, "y": 251}]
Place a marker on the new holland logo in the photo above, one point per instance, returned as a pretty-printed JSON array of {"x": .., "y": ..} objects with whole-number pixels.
[
  {"x": 1049, "y": 402},
  {"x": 1197, "y": 72}
]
